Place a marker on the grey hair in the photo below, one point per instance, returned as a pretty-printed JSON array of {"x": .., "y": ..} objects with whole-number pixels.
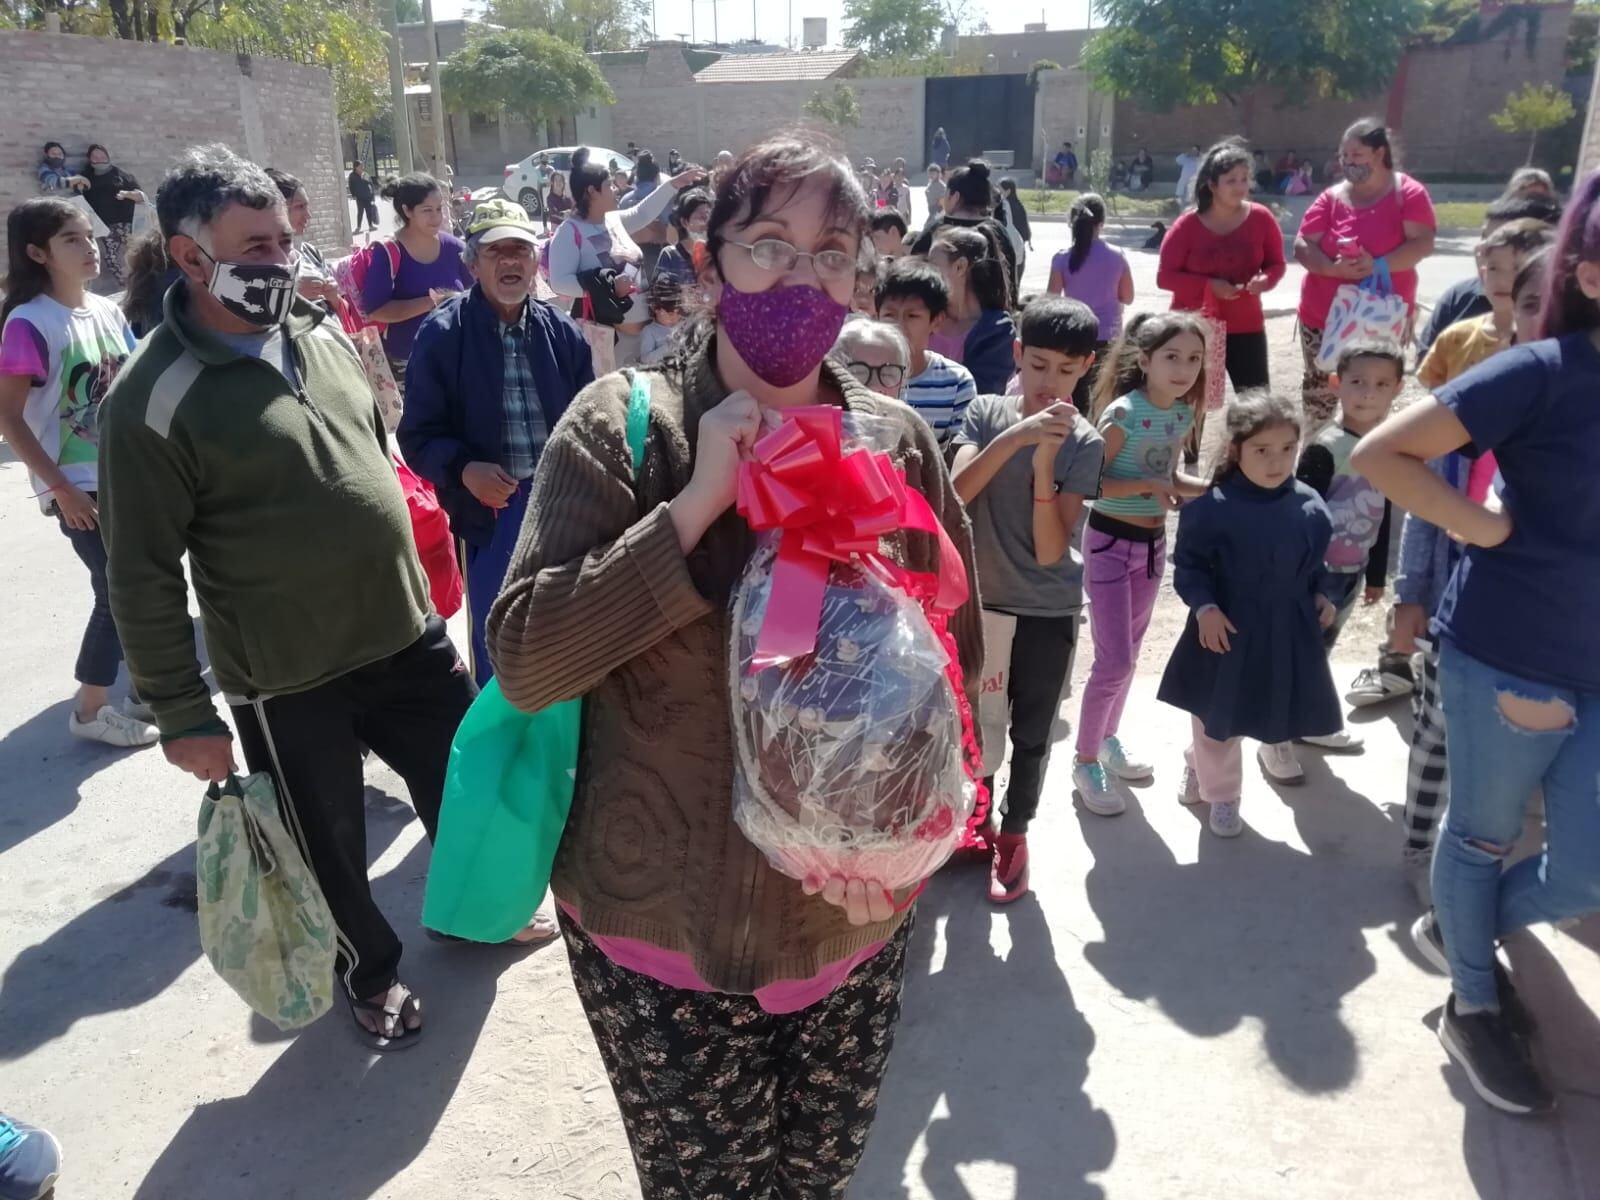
[
  {"x": 469, "y": 252},
  {"x": 206, "y": 180},
  {"x": 859, "y": 330}
]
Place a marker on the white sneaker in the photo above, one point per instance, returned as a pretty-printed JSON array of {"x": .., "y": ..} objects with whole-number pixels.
[
  {"x": 1342, "y": 742},
  {"x": 1189, "y": 789},
  {"x": 1122, "y": 764},
  {"x": 1280, "y": 762},
  {"x": 1374, "y": 686},
  {"x": 1098, "y": 794},
  {"x": 113, "y": 728},
  {"x": 1224, "y": 820}
]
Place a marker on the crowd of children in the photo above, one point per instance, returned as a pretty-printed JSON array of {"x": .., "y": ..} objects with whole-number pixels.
[
  {"x": 1275, "y": 552},
  {"x": 1064, "y": 428}
]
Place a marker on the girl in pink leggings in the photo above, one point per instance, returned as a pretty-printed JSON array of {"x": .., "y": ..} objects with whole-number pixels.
[{"x": 1144, "y": 405}]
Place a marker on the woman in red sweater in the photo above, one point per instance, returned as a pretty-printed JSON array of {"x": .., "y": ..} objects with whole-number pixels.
[{"x": 1221, "y": 255}]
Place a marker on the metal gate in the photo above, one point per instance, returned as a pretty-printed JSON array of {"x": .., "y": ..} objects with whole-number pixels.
[{"x": 982, "y": 112}]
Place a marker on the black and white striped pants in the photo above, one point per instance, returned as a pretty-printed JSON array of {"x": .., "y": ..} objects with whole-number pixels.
[{"x": 1428, "y": 776}]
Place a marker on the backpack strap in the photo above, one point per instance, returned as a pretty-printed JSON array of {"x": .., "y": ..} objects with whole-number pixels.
[
  {"x": 394, "y": 258},
  {"x": 638, "y": 417}
]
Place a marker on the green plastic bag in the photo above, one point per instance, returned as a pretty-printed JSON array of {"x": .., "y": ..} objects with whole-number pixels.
[
  {"x": 507, "y": 792},
  {"x": 264, "y": 923}
]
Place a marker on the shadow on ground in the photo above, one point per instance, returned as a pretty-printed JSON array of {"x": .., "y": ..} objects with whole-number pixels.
[
  {"x": 57, "y": 765},
  {"x": 330, "y": 1117},
  {"x": 990, "y": 1060},
  {"x": 1211, "y": 943},
  {"x": 136, "y": 940}
]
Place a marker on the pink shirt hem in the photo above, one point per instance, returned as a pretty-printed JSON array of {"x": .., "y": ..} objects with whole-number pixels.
[{"x": 676, "y": 969}]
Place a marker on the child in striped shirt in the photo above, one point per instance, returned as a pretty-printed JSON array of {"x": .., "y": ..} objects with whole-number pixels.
[{"x": 913, "y": 295}]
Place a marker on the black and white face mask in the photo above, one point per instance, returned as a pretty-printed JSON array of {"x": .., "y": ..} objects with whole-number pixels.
[{"x": 260, "y": 293}]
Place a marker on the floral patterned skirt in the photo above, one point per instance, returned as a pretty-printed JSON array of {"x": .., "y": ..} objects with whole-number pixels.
[{"x": 723, "y": 1100}]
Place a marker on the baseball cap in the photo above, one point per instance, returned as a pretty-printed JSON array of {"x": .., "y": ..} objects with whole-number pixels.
[{"x": 496, "y": 220}]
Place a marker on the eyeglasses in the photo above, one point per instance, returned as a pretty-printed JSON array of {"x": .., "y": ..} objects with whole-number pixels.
[
  {"x": 889, "y": 375},
  {"x": 774, "y": 254}
]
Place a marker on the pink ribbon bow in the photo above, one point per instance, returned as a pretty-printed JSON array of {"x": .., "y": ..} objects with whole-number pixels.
[{"x": 832, "y": 505}]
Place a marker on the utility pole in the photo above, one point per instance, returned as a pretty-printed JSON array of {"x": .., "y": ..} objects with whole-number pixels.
[
  {"x": 694, "y": 38},
  {"x": 437, "y": 92},
  {"x": 397, "y": 90},
  {"x": 754, "y": 37},
  {"x": 716, "y": 36}
]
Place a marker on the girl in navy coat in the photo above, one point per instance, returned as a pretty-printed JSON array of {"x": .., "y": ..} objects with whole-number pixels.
[{"x": 1248, "y": 563}]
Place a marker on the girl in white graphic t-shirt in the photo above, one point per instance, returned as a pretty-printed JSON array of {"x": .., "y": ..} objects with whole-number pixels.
[{"x": 60, "y": 348}]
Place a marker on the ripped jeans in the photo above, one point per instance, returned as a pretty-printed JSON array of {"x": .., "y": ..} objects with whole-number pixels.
[{"x": 1508, "y": 736}]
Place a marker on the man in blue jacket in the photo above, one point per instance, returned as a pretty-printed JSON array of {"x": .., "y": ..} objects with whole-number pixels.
[{"x": 490, "y": 373}]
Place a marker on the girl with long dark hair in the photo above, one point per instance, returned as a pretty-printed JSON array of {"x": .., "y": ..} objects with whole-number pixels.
[
  {"x": 1096, "y": 273},
  {"x": 744, "y": 1019},
  {"x": 1220, "y": 257},
  {"x": 430, "y": 270},
  {"x": 969, "y": 203},
  {"x": 60, "y": 349},
  {"x": 1145, "y": 402}
]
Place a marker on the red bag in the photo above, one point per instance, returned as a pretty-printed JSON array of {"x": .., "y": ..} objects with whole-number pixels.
[{"x": 435, "y": 547}]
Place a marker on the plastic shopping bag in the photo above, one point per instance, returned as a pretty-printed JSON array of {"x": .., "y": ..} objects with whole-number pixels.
[
  {"x": 264, "y": 924},
  {"x": 375, "y": 362},
  {"x": 507, "y": 792},
  {"x": 1368, "y": 311}
]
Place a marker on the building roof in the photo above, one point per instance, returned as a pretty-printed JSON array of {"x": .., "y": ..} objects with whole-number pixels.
[{"x": 771, "y": 68}]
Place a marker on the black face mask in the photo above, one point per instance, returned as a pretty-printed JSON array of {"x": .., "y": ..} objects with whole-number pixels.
[{"x": 258, "y": 293}]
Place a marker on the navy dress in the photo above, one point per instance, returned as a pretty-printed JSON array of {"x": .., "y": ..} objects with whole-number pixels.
[{"x": 1257, "y": 555}]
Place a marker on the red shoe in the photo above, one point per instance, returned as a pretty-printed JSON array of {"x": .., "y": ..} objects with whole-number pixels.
[{"x": 1008, "y": 871}]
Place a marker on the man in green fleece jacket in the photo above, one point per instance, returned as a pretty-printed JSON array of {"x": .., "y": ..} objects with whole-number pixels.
[{"x": 243, "y": 433}]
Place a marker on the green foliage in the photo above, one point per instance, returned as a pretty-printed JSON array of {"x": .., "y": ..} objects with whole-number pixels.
[
  {"x": 345, "y": 36},
  {"x": 534, "y": 74},
  {"x": 595, "y": 25},
  {"x": 407, "y": 12},
  {"x": 1166, "y": 53},
  {"x": 1583, "y": 38},
  {"x": 1044, "y": 64},
  {"x": 839, "y": 108},
  {"x": 887, "y": 28},
  {"x": 1533, "y": 109}
]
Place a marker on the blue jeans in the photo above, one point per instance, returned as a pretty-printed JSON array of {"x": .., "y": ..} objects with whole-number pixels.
[
  {"x": 486, "y": 574},
  {"x": 1495, "y": 765},
  {"x": 100, "y": 651}
]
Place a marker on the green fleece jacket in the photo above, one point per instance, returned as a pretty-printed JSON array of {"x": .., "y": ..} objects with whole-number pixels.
[{"x": 298, "y": 536}]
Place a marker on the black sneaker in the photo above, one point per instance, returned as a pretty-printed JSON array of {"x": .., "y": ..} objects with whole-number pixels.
[
  {"x": 1495, "y": 1059},
  {"x": 1429, "y": 942}
]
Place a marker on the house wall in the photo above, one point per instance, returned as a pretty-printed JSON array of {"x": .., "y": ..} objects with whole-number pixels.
[{"x": 147, "y": 103}]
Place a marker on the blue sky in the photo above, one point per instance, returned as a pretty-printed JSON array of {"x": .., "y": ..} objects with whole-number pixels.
[{"x": 734, "y": 18}]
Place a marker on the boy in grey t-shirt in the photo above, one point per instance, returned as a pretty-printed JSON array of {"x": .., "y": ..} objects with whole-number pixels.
[{"x": 1024, "y": 465}]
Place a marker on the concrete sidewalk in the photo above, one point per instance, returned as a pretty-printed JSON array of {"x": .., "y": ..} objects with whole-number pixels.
[{"x": 1169, "y": 1015}]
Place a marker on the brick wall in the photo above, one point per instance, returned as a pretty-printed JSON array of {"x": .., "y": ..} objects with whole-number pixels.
[
  {"x": 703, "y": 118},
  {"x": 147, "y": 103},
  {"x": 1443, "y": 97}
]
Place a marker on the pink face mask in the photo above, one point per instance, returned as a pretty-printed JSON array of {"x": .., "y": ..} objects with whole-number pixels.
[{"x": 783, "y": 332}]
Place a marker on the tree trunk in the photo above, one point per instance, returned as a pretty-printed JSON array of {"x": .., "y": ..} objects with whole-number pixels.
[{"x": 1533, "y": 144}]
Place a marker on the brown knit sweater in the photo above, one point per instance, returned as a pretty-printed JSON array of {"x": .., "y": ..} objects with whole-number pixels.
[{"x": 601, "y": 602}]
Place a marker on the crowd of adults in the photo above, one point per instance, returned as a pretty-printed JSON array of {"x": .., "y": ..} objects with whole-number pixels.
[{"x": 745, "y": 1040}]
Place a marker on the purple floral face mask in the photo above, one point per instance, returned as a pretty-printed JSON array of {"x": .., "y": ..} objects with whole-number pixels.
[{"x": 783, "y": 332}]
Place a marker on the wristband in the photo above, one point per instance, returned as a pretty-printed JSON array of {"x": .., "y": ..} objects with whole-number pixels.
[{"x": 1044, "y": 500}]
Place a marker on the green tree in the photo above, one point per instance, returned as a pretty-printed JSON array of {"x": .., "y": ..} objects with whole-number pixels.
[
  {"x": 592, "y": 24},
  {"x": 1165, "y": 53},
  {"x": 1533, "y": 109},
  {"x": 528, "y": 72},
  {"x": 407, "y": 12},
  {"x": 887, "y": 28},
  {"x": 839, "y": 108}
]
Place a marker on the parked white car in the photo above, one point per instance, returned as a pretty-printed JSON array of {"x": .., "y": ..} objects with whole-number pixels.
[{"x": 527, "y": 181}]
